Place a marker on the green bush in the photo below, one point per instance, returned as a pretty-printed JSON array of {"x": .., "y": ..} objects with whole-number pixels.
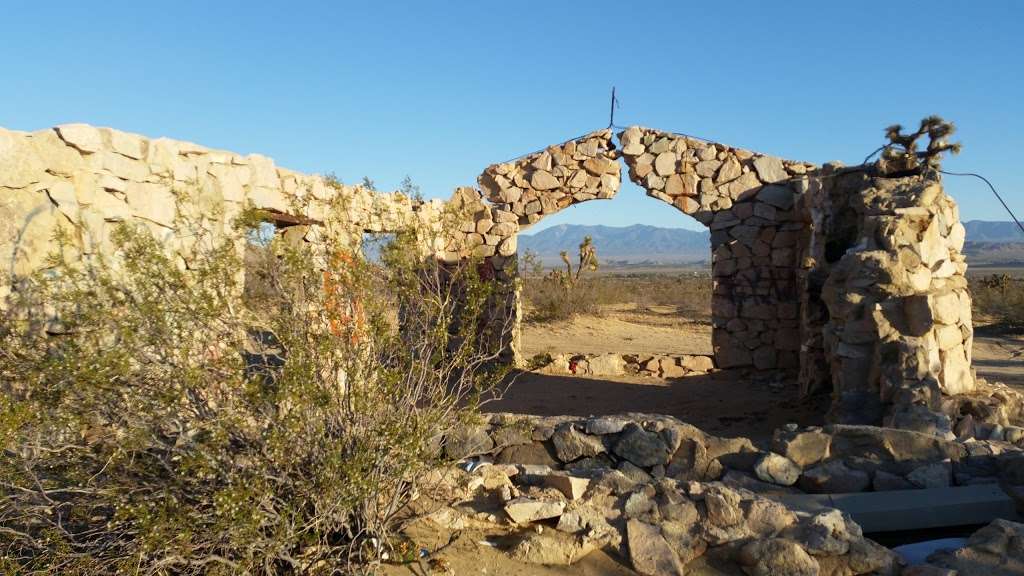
[{"x": 163, "y": 420}]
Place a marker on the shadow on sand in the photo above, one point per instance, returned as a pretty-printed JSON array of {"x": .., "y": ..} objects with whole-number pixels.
[{"x": 723, "y": 403}]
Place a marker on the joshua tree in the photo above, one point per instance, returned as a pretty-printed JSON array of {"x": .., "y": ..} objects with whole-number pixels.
[
  {"x": 901, "y": 155},
  {"x": 587, "y": 261}
]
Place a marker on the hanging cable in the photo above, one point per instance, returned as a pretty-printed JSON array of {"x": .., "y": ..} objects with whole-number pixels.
[{"x": 993, "y": 188}]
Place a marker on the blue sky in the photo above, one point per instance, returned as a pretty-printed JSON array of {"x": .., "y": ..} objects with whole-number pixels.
[{"x": 440, "y": 90}]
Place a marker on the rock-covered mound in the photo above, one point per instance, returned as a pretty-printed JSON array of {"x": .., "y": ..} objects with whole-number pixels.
[
  {"x": 665, "y": 495},
  {"x": 829, "y": 459},
  {"x": 660, "y": 525}
]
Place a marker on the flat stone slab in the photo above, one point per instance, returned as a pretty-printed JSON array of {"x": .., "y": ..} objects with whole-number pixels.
[{"x": 912, "y": 509}]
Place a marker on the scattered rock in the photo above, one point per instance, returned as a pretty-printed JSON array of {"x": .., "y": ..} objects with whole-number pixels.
[
  {"x": 572, "y": 444},
  {"x": 723, "y": 506},
  {"x": 513, "y": 435},
  {"x": 641, "y": 447},
  {"x": 606, "y": 425},
  {"x": 934, "y": 475},
  {"x": 766, "y": 518},
  {"x": 524, "y": 510},
  {"x": 467, "y": 441},
  {"x": 684, "y": 539},
  {"x": 634, "y": 472},
  {"x": 995, "y": 550},
  {"x": 777, "y": 469},
  {"x": 884, "y": 481},
  {"x": 572, "y": 486},
  {"x": 649, "y": 552},
  {"x": 834, "y": 478},
  {"x": 829, "y": 532},
  {"x": 640, "y": 504},
  {"x": 536, "y": 453},
  {"x": 804, "y": 448},
  {"x": 775, "y": 557}
]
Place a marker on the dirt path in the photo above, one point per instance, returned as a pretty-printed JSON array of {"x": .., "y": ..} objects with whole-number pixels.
[
  {"x": 999, "y": 356},
  {"x": 626, "y": 329}
]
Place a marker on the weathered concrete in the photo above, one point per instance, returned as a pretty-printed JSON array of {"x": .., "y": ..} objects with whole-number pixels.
[{"x": 895, "y": 510}]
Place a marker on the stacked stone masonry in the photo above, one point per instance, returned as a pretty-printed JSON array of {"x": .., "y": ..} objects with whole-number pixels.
[
  {"x": 86, "y": 180},
  {"x": 839, "y": 458},
  {"x": 887, "y": 308},
  {"x": 749, "y": 203},
  {"x": 655, "y": 491},
  {"x": 611, "y": 364},
  {"x": 852, "y": 280},
  {"x": 553, "y": 179}
]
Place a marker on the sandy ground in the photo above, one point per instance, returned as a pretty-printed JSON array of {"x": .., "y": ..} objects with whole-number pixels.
[
  {"x": 999, "y": 356},
  {"x": 721, "y": 404},
  {"x": 625, "y": 329},
  {"x": 472, "y": 553},
  {"x": 714, "y": 403}
]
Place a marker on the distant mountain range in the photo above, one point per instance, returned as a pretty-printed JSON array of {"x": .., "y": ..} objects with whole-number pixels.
[
  {"x": 634, "y": 244},
  {"x": 987, "y": 242},
  {"x": 984, "y": 231}
]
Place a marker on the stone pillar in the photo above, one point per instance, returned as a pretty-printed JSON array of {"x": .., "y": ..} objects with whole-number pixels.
[{"x": 898, "y": 334}]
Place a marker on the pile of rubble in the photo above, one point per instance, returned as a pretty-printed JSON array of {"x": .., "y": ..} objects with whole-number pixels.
[
  {"x": 995, "y": 550},
  {"x": 831, "y": 459},
  {"x": 660, "y": 525},
  {"x": 664, "y": 494}
]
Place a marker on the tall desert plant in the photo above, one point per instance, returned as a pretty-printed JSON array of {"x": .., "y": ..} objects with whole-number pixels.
[{"x": 562, "y": 294}]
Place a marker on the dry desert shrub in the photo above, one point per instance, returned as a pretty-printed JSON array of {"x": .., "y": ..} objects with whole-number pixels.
[
  {"x": 162, "y": 420},
  {"x": 562, "y": 294},
  {"x": 999, "y": 297}
]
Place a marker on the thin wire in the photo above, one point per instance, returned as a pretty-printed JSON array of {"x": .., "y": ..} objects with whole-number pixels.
[
  {"x": 877, "y": 150},
  {"x": 563, "y": 142},
  {"x": 993, "y": 188}
]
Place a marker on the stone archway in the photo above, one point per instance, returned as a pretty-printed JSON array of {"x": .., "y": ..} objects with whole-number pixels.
[{"x": 747, "y": 200}]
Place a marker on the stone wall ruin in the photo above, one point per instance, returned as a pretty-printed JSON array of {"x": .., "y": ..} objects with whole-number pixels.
[
  {"x": 749, "y": 203},
  {"x": 838, "y": 277}
]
